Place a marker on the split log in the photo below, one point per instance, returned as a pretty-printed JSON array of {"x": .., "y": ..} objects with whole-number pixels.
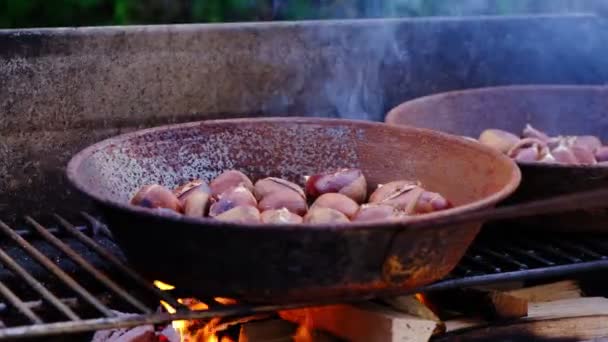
[
  {"x": 566, "y": 289},
  {"x": 275, "y": 330},
  {"x": 576, "y": 319},
  {"x": 366, "y": 322},
  {"x": 412, "y": 306},
  {"x": 489, "y": 304}
]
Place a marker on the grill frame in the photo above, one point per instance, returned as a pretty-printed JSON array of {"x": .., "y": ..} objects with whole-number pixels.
[{"x": 489, "y": 260}]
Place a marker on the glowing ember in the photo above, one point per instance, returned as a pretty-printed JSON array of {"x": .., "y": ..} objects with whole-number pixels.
[
  {"x": 163, "y": 286},
  {"x": 225, "y": 301},
  {"x": 304, "y": 331}
]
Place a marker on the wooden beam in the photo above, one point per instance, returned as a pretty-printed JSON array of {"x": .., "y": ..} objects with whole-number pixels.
[
  {"x": 366, "y": 322},
  {"x": 577, "y": 319},
  {"x": 566, "y": 289},
  {"x": 490, "y": 304},
  {"x": 275, "y": 330}
]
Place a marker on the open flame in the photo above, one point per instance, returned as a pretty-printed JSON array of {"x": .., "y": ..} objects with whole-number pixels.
[
  {"x": 208, "y": 333},
  {"x": 192, "y": 331}
]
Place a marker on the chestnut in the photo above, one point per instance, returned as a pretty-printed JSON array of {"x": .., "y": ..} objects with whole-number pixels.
[
  {"x": 588, "y": 142},
  {"x": 528, "y": 150},
  {"x": 240, "y": 214},
  {"x": 387, "y": 190},
  {"x": 229, "y": 179},
  {"x": 563, "y": 155},
  {"x": 584, "y": 155},
  {"x": 285, "y": 198},
  {"x": 498, "y": 139},
  {"x": 429, "y": 202},
  {"x": 187, "y": 188},
  {"x": 194, "y": 197},
  {"x": 269, "y": 185},
  {"x": 156, "y": 196},
  {"x": 531, "y": 132},
  {"x": 601, "y": 154},
  {"x": 339, "y": 202},
  {"x": 196, "y": 204},
  {"x": 377, "y": 212},
  {"x": 321, "y": 215},
  {"x": 279, "y": 216},
  {"x": 349, "y": 182},
  {"x": 233, "y": 197}
]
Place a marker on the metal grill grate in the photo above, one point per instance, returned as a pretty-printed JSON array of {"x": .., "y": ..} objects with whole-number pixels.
[{"x": 74, "y": 282}]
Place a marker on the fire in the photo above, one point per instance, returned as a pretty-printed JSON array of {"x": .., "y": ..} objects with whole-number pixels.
[
  {"x": 208, "y": 333},
  {"x": 163, "y": 286},
  {"x": 225, "y": 301},
  {"x": 304, "y": 331},
  {"x": 304, "y": 319}
]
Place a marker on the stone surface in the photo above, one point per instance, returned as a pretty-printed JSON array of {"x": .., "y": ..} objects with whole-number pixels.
[{"x": 62, "y": 89}]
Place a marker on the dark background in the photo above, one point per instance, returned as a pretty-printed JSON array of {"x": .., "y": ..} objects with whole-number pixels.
[{"x": 54, "y": 13}]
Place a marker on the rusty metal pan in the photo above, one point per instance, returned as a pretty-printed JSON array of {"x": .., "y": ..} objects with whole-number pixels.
[
  {"x": 555, "y": 109},
  {"x": 273, "y": 263}
]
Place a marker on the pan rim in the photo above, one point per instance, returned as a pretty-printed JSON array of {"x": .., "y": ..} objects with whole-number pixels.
[
  {"x": 207, "y": 223},
  {"x": 394, "y": 112}
]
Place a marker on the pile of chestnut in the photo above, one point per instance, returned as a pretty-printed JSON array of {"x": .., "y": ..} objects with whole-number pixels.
[
  {"x": 332, "y": 197},
  {"x": 536, "y": 146}
]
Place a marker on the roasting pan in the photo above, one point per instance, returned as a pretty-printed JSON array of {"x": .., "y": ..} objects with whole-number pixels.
[
  {"x": 555, "y": 109},
  {"x": 264, "y": 263}
]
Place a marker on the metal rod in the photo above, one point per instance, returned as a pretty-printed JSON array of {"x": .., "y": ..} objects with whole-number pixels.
[
  {"x": 36, "y": 305},
  {"x": 119, "y": 265},
  {"x": 9, "y": 262},
  {"x": 138, "y": 320},
  {"x": 100, "y": 276},
  {"x": 58, "y": 272},
  {"x": 19, "y": 304}
]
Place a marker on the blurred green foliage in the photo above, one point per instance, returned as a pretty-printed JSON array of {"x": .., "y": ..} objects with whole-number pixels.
[{"x": 54, "y": 13}]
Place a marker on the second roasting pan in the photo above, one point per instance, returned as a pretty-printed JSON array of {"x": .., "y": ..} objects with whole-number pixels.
[
  {"x": 555, "y": 109},
  {"x": 273, "y": 263}
]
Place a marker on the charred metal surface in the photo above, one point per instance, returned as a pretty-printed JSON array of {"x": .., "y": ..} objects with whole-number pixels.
[
  {"x": 283, "y": 263},
  {"x": 62, "y": 89},
  {"x": 558, "y": 110}
]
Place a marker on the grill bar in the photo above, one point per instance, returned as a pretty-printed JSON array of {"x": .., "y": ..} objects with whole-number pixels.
[
  {"x": 119, "y": 265},
  {"x": 489, "y": 260},
  {"x": 58, "y": 272},
  {"x": 19, "y": 304},
  {"x": 100, "y": 276},
  {"x": 36, "y": 285}
]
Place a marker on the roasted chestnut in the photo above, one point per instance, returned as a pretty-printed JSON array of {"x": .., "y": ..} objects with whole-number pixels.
[
  {"x": 233, "y": 197},
  {"x": 269, "y": 185},
  {"x": 280, "y": 216},
  {"x": 588, "y": 142},
  {"x": 564, "y": 155},
  {"x": 349, "y": 182},
  {"x": 584, "y": 155},
  {"x": 156, "y": 196},
  {"x": 229, "y": 179},
  {"x": 377, "y": 212},
  {"x": 240, "y": 214},
  {"x": 601, "y": 154},
  {"x": 321, "y": 215},
  {"x": 528, "y": 150},
  {"x": 531, "y": 132},
  {"x": 194, "y": 197},
  {"x": 429, "y": 202},
  {"x": 288, "y": 199},
  {"x": 392, "y": 189},
  {"x": 498, "y": 139},
  {"x": 339, "y": 202}
]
